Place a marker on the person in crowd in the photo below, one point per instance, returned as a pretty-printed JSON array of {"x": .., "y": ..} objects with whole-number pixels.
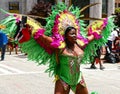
[
  {"x": 97, "y": 60},
  {"x": 116, "y": 42},
  {"x": 12, "y": 44},
  {"x": 116, "y": 46},
  {"x": 111, "y": 47},
  {"x": 3, "y": 44},
  {"x": 111, "y": 38}
]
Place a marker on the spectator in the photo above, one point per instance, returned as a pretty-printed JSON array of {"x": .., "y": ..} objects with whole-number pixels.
[
  {"x": 97, "y": 60},
  {"x": 111, "y": 38},
  {"x": 116, "y": 44},
  {"x": 3, "y": 43},
  {"x": 111, "y": 46},
  {"x": 12, "y": 44}
]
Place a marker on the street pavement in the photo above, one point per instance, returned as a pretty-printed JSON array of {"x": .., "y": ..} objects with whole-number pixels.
[{"x": 20, "y": 76}]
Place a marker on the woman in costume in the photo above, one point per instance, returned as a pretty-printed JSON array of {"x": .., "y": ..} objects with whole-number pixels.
[
  {"x": 64, "y": 44},
  {"x": 69, "y": 59},
  {"x": 68, "y": 63}
]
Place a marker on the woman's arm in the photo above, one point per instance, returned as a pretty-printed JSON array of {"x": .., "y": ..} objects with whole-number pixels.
[
  {"x": 45, "y": 39},
  {"x": 42, "y": 39},
  {"x": 90, "y": 38}
]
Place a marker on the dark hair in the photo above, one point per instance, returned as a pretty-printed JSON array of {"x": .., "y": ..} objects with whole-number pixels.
[
  {"x": 66, "y": 32},
  {"x": 68, "y": 29}
]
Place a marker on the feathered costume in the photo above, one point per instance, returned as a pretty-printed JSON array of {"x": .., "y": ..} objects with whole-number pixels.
[{"x": 57, "y": 22}]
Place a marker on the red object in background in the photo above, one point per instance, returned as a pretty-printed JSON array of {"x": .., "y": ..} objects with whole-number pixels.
[
  {"x": 25, "y": 35},
  {"x": 97, "y": 60}
]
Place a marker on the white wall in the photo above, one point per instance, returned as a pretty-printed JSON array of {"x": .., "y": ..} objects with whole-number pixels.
[
  {"x": 96, "y": 11},
  {"x": 111, "y": 7}
]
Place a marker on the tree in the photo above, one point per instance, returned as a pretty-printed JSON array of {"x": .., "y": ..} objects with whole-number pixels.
[
  {"x": 117, "y": 10},
  {"x": 41, "y": 9},
  {"x": 117, "y": 18}
]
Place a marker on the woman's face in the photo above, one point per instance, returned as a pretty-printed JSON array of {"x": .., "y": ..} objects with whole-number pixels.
[{"x": 71, "y": 36}]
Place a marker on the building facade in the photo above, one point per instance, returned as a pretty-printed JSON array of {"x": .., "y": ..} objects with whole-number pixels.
[
  {"x": 103, "y": 9},
  {"x": 117, "y": 3},
  {"x": 13, "y": 6}
]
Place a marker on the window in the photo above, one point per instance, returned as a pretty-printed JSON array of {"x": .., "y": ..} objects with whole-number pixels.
[
  {"x": 119, "y": 5},
  {"x": 51, "y": 1},
  {"x": 104, "y": 6},
  {"x": 14, "y": 7}
]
